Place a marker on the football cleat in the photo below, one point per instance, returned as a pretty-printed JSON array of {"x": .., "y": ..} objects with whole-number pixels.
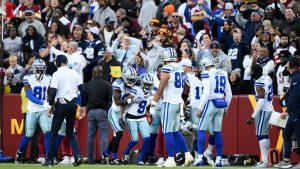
[
  {"x": 169, "y": 163},
  {"x": 199, "y": 162},
  {"x": 104, "y": 159},
  {"x": 261, "y": 164},
  {"x": 140, "y": 163},
  {"x": 209, "y": 158},
  {"x": 77, "y": 161},
  {"x": 160, "y": 161},
  {"x": 115, "y": 162},
  {"x": 125, "y": 159},
  {"x": 19, "y": 157},
  {"x": 189, "y": 159},
  {"x": 66, "y": 161},
  {"x": 48, "y": 163}
]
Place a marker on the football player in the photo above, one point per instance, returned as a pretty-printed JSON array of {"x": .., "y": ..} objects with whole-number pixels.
[
  {"x": 212, "y": 108},
  {"x": 36, "y": 86},
  {"x": 136, "y": 116},
  {"x": 264, "y": 108},
  {"x": 171, "y": 84},
  {"x": 120, "y": 88}
]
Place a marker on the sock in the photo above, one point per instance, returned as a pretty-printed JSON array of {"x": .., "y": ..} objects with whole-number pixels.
[
  {"x": 169, "y": 141},
  {"x": 218, "y": 159},
  {"x": 58, "y": 141},
  {"x": 114, "y": 156},
  {"x": 130, "y": 145},
  {"x": 177, "y": 146},
  {"x": 153, "y": 137},
  {"x": 200, "y": 157},
  {"x": 219, "y": 143},
  {"x": 110, "y": 146},
  {"x": 196, "y": 155},
  {"x": 23, "y": 143},
  {"x": 46, "y": 141},
  {"x": 145, "y": 148},
  {"x": 201, "y": 142},
  {"x": 210, "y": 145},
  {"x": 263, "y": 145},
  {"x": 181, "y": 141},
  {"x": 195, "y": 145}
]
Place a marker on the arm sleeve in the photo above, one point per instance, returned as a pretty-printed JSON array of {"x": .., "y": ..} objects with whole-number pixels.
[
  {"x": 33, "y": 99},
  {"x": 206, "y": 90},
  {"x": 109, "y": 97},
  {"x": 51, "y": 95},
  {"x": 240, "y": 20},
  {"x": 56, "y": 51},
  {"x": 228, "y": 93}
]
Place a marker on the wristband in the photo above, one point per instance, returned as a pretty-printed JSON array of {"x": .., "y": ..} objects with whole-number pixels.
[{"x": 129, "y": 101}]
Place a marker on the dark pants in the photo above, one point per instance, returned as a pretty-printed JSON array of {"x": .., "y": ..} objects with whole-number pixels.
[
  {"x": 97, "y": 118},
  {"x": 292, "y": 127},
  {"x": 68, "y": 112},
  {"x": 34, "y": 141}
]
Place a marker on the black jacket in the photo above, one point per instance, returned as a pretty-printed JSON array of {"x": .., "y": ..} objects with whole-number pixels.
[
  {"x": 98, "y": 94},
  {"x": 293, "y": 105}
]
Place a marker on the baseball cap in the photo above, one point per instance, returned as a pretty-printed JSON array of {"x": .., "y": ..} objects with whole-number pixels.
[
  {"x": 106, "y": 49},
  {"x": 109, "y": 20},
  {"x": 214, "y": 44},
  {"x": 28, "y": 11},
  {"x": 228, "y": 5},
  {"x": 78, "y": 27}
]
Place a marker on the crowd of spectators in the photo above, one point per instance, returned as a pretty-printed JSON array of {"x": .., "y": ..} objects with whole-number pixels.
[{"x": 112, "y": 33}]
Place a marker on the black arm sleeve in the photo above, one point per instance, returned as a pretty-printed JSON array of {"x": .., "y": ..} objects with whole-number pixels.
[
  {"x": 51, "y": 95},
  {"x": 109, "y": 97},
  {"x": 81, "y": 88}
]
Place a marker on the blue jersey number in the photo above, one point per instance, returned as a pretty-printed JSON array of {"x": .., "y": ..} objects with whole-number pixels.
[
  {"x": 220, "y": 84},
  {"x": 270, "y": 93},
  {"x": 142, "y": 107},
  {"x": 39, "y": 92},
  {"x": 197, "y": 97},
  {"x": 179, "y": 80}
]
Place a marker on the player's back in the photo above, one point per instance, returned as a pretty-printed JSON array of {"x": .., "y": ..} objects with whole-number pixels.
[
  {"x": 39, "y": 90},
  {"x": 266, "y": 83},
  {"x": 137, "y": 109},
  {"x": 196, "y": 89},
  {"x": 218, "y": 79},
  {"x": 174, "y": 88}
]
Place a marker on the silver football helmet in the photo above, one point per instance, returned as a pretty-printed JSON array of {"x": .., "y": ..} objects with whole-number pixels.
[
  {"x": 205, "y": 62},
  {"x": 39, "y": 69},
  {"x": 147, "y": 82},
  {"x": 169, "y": 55},
  {"x": 129, "y": 76}
]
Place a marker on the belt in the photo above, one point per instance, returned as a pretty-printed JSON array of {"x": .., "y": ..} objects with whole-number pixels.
[
  {"x": 65, "y": 101},
  {"x": 129, "y": 116}
]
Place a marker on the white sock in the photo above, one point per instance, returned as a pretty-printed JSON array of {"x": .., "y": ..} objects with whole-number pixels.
[
  {"x": 171, "y": 158},
  {"x": 218, "y": 159},
  {"x": 263, "y": 145},
  {"x": 209, "y": 149},
  {"x": 200, "y": 156},
  {"x": 196, "y": 155},
  {"x": 187, "y": 154}
]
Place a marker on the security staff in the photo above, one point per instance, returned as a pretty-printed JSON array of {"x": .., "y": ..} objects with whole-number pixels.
[
  {"x": 293, "y": 110},
  {"x": 99, "y": 101},
  {"x": 64, "y": 88}
]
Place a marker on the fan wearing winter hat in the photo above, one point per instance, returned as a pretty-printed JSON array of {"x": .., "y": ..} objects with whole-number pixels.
[{"x": 236, "y": 84}]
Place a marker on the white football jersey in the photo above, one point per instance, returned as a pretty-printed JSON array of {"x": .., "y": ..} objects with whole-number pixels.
[
  {"x": 215, "y": 86},
  {"x": 173, "y": 91},
  {"x": 39, "y": 90},
  {"x": 118, "y": 84},
  {"x": 77, "y": 62},
  {"x": 137, "y": 109},
  {"x": 155, "y": 87},
  {"x": 265, "y": 82},
  {"x": 196, "y": 89},
  {"x": 282, "y": 81}
]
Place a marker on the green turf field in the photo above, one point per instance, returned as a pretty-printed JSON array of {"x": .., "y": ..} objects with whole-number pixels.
[{"x": 37, "y": 166}]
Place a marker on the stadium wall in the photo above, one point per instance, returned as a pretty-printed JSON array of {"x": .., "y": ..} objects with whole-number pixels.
[{"x": 239, "y": 138}]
